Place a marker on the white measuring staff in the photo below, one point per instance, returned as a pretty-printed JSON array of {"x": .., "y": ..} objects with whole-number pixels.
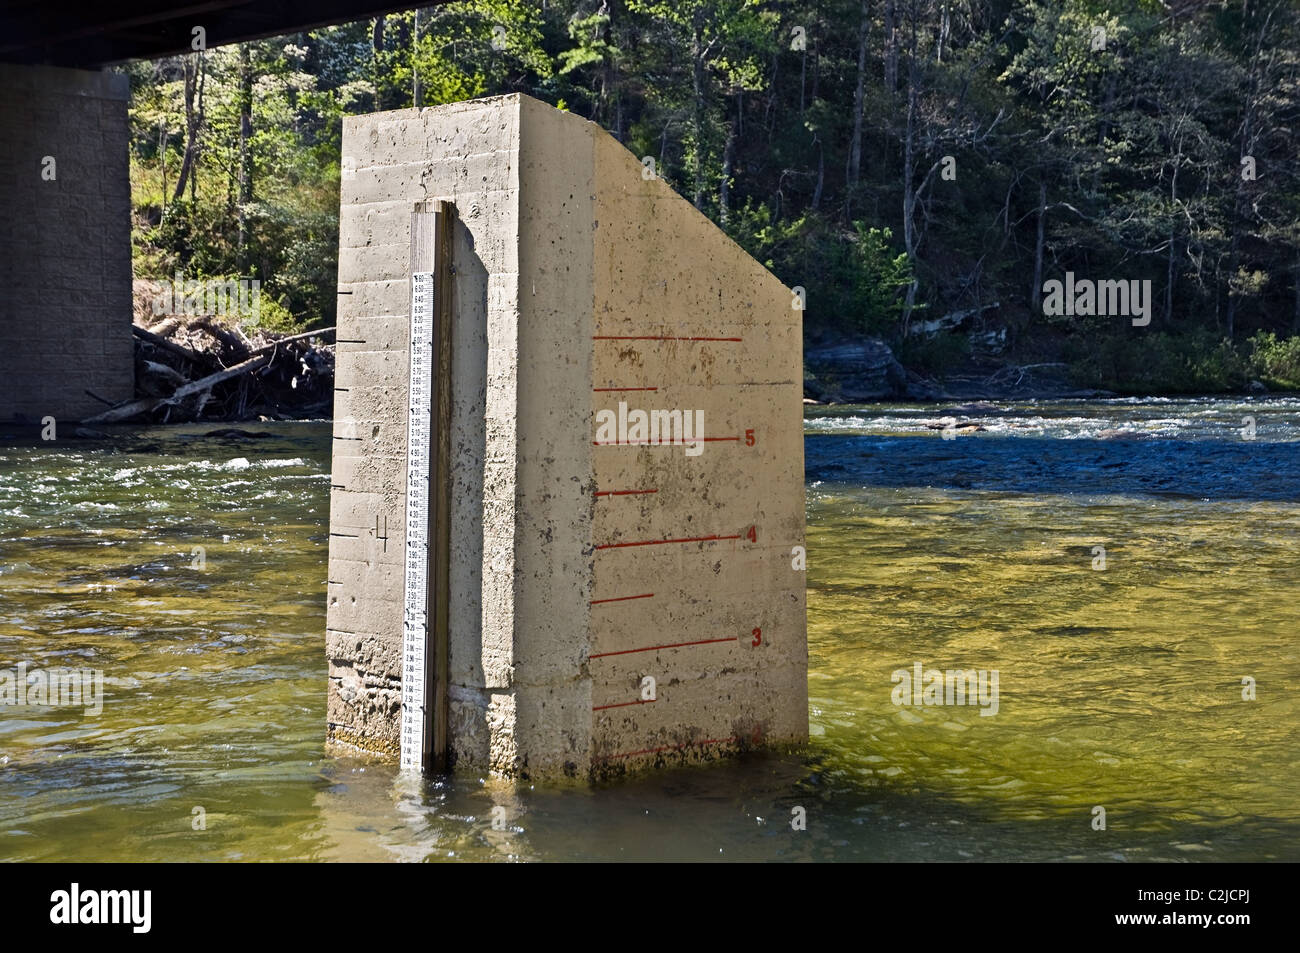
[{"x": 415, "y": 622}]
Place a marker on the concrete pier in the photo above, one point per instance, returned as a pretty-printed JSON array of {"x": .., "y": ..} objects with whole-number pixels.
[
  {"x": 627, "y": 454},
  {"x": 65, "y": 243}
]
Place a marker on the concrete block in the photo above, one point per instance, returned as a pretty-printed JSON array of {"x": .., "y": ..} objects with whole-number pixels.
[{"x": 581, "y": 566}]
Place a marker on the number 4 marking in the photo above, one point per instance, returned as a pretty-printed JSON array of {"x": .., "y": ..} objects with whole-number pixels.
[{"x": 752, "y": 535}]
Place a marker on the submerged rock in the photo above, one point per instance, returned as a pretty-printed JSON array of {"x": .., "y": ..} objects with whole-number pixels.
[
  {"x": 974, "y": 407},
  {"x": 232, "y": 433}
]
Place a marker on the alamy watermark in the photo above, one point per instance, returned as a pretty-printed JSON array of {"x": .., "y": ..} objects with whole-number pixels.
[
  {"x": 952, "y": 687},
  {"x": 76, "y": 905},
  {"x": 213, "y": 296},
  {"x": 651, "y": 428},
  {"x": 55, "y": 688},
  {"x": 1085, "y": 297}
]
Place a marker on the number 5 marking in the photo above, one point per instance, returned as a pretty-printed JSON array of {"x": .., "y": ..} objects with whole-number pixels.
[{"x": 749, "y": 438}]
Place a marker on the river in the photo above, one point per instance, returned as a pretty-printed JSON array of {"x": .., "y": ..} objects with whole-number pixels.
[{"x": 1119, "y": 687}]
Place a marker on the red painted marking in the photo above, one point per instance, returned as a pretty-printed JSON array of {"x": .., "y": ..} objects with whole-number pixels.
[
  {"x": 639, "y": 701},
  {"x": 648, "y": 595},
  {"x": 605, "y": 390},
  {"x": 685, "y": 744},
  {"x": 655, "y": 648},
  {"x": 657, "y": 542},
  {"x": 660, "y": 443},
  {"x": 623, "y": 492},
  {"x": 651, "y": 337}
]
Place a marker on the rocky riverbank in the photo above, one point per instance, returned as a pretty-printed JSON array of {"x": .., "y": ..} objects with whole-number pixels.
[{"x": 844, "y": 372}]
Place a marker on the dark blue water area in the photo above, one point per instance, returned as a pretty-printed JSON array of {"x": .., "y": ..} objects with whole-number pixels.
[{"x": 1183, "y": 469}]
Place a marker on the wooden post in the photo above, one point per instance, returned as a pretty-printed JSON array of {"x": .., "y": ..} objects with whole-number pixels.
[{"x": 432, "y": 232}]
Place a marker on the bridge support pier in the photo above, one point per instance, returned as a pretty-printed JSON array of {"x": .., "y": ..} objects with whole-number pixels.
[{"x": 65, "y": 243}]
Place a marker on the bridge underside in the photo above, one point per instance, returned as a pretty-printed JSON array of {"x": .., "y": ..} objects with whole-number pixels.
[{"x": 67, "y": 33}]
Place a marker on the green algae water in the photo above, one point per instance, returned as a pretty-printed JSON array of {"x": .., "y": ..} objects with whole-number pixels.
[{"x": 190, "y": 570}]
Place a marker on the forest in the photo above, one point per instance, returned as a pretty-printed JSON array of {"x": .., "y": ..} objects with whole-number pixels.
[{"x": 923, "y": 169}]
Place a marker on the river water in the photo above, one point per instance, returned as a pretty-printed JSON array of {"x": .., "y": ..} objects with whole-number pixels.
[{"x": 1118, "y": 687}]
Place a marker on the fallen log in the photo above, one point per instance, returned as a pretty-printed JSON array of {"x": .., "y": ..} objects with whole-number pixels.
[
  {"x": 950, "y": 321},
  {"x": 267, "y": 348},
  {"x": 166, "y": 345},
  {"x": 132, "y": 408},
  {"x": 166, "y": 372},
  {"x": 229, "y": 341}
]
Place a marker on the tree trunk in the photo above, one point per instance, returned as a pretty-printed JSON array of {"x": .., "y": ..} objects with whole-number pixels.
[
  {"x": 804, "y": 73},
  {"x": 191, "y": 125},
  {"x": 1169, "y": 282},
  {"x": 610, "y": 94},
  {"x": 245, "y": 155},
  {"x": 909, "y": 183},
  {"x": 728, "y": 160},
  {"x": 1295, "y": 296},
  {"x": 1036, "y": 289},
  {"x": 769, "y": 113},
  {"x": 417, "y": 88},
  {"x": 162, "y": 160},
  {"x": 194, "y": 172},
  {"x": 1241, "y": 200},
  {"x": 945, "y": 28},
  {"x": 376, "y": 48},
  {"x": 1230, "y": 317},
  {"x": 1107, "y": 110},
  {"x": 1173, "y": 240},
  {"x": 891, "y": 47},
  {"x": 697, "y": 80},
  {"x": 821, "y": 174},
  {"x": 855, "y": 145},
  {"x": 1295, "y": 313}
]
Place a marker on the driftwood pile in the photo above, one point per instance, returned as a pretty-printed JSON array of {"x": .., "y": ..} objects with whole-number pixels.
[{"x": 190, "y": 368}]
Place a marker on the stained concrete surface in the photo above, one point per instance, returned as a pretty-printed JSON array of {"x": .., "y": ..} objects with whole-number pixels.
[{"x": 580, "y": 568}]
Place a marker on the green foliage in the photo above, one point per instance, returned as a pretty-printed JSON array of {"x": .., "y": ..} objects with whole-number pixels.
[
  {"x": 853, "y": 281},
  {"x": 271, "y": 315},
  {"x": 1127, "y": 153},
  {"x": 1275, "y": 362},
  {"x": 590, "y": 35},
  {"x": 1188, "y": 363},
  {"x": 1191, "y": 363},
  {"x": 880, "y": 275}
]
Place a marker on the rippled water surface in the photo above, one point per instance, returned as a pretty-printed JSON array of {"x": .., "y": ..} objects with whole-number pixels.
[{"x": 1119, "y": 688}]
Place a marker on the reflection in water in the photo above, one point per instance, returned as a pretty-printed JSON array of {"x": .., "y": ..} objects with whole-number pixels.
[{"x": 1118, "y": 688}]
